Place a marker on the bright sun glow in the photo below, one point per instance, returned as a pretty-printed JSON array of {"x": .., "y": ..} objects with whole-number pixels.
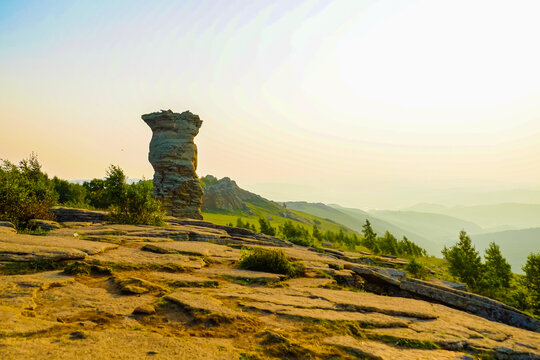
[{"x": 339, "y": 96}]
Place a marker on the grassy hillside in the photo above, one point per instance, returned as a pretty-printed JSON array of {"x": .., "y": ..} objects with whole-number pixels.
[
  {"x": 275, "y": 218},
  {"x": 224, "y": 202},
  {"x": 355, "y": 219}
]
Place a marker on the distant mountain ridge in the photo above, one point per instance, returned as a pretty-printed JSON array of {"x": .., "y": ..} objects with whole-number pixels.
[
  {"x": 514, "y": 215},
  {"x": 515, "y": 244},
  {"x": 437, "y": 227},
  {"x": 431, "y": 226},
  {"x": 355, "y": 219}
]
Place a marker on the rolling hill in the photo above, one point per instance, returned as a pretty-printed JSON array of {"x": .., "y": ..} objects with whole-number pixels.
[
  {"x": 355, "y": 219},
  {"x": 438, "y": 228},
  {"x": 515, "y": 245},
  {"x": 509, "y": 215},
  {"x": 224, "y": 202}
]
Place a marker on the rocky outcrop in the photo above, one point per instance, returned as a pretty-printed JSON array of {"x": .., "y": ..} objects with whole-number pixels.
[
  {"x": 395, "y": 283},
  {"x": 173, "y": 155},
  {"x": 130, "y": 277},
  {"x": 63, "y": 214},
  {"x": 7, "y": 226},
  {"x": 471, "y": 303},
  {"x": 46, "y": 225},
  {"x": 225, "y": 194}
]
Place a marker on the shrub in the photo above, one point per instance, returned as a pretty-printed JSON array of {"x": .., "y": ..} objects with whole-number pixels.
[
  {"x": 95, "y": 193},
  {"x": 25, "y": 192},
  {"x": 127, "y": 204},
  {"x": 266, "y": 228},
  {"x": 416, "y": 269},
  {"x": 388, "y": 244},
  {"x": 70, "y": 194},
  {"x": 135, "y": 205},
  {"x": 274, "y": 261},
  {"x": 295, "y": 234}
]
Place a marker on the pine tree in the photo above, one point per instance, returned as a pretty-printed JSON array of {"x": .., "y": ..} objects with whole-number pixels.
[
  {"x": 239, "y": 223},
  {"x": 532, "y": 279},
  {"x": 370, "y": 237},
  {"x": 497, "y": 271},
  {"x": 464, "y": 261},
  {"x": 388, "y": 244},
  {"x": 266, "y": 228},
  {"x": 316, "y": 233}
]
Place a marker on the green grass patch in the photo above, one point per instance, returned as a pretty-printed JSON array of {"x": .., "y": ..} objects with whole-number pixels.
[
  {"x": 403, "y": 342},
  {"x": 194, "y": 284},
  {"x": 80, "y": 268},
  {"x": 261, "y": 210},
  {"x": 116, "y": 267},
  {"x": 273, "y": 261},
  {"x": 438, "y": 266},
  {"x": 30, "y": 267},
  {"x": 34, "y": 231}
]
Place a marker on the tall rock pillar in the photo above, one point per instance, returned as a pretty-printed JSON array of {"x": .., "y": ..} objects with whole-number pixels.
[{"x": 173, "y": 155}]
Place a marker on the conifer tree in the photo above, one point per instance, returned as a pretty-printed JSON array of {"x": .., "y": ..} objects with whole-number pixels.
[
  {"x": 266, "y": 228},
  {"x": 464, "y": 261},
  {"x": 532, "y": 279},
  {"x": 497, "y": 271},
  {"x": 370, "y": 237}
]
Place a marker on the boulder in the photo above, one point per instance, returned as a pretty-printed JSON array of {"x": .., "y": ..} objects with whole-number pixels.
[
  {"x": 145, "y": 309},
  {"x": 46, "y": 225},
  {"x": 64, "y": 214},
  {"x": 471, "y": 303},
  {"x": 173, "y": 155},
  {"x": 7, "y": 226},
  {"x": 13, "y": 252},
  {"x": 225, "y": 194}
]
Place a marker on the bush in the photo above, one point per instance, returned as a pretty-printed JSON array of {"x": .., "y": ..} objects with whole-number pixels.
[
  {"x": 266, "y": 227},
  {"x": 274, "y": 261},
  {"x": 134, "y": 204},
  {"x": 245, "y": 225},
  {"x": 295, "y": 234},
  {"x": 25, "y": 192},
  {"x": 95, "y": 193},
  {"x": 70, "y": 194},
  {"x": 127, "y": 204},
  {"x": 416, "y": 269}
]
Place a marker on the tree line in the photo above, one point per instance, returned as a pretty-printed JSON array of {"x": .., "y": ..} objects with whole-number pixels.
[
  {"x": 26, "y": 193},
  {"x": 300, "y": 235},
  {"x": 494, "y": 277}
]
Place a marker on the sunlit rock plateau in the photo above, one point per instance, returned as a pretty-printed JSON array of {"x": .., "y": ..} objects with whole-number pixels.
[{"x": 93, "y": 290}]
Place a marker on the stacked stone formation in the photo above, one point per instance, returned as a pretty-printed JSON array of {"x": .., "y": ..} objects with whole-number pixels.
[{"x": 173, "y": 155}]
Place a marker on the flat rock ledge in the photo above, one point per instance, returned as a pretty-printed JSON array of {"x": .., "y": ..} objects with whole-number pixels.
[
  {"x": 146, "y": 292},
  {"x": 398, "y": 284},
  {"x": 64, "y": 214}
]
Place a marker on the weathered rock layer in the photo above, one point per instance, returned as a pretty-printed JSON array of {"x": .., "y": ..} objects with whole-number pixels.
[
  {"x": 173, "y": 155},
  {"x": 139, "y": 292}
]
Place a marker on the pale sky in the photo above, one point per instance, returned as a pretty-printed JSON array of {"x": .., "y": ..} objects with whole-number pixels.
[{"x": 362, "y": 103}]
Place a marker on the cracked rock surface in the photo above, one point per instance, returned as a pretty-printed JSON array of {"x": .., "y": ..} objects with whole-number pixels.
[{"x": 139, "y": 292}]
